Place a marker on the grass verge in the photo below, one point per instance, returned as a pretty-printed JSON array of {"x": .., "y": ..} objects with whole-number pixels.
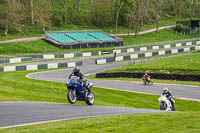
[
  {"x": 185, "y": 64},
  {"x": 179, "y": 122},
  {"x": 41, "y": 46},
  {"x": 163, "y": 35},
  {"x": 186, "y": 61}
]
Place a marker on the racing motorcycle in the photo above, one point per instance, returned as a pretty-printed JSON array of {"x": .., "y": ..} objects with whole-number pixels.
[
  {"x": 148, "y": 82},
  {"x": 165, "y": 104},
  {"x": 77, "y": 91}
]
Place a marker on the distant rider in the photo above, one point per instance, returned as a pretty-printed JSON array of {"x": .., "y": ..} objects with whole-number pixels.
[
  {"x": 146, "y": 78},
  {"x": 169, "y": 96},
  {"x": 78, "y": 73}
]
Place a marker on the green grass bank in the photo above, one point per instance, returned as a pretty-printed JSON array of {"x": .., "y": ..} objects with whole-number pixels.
[
  {"x": 41, "y": 46},
  {"x": 185, "y": 64}
]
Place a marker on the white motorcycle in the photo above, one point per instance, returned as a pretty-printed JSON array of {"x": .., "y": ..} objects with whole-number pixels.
[{"x": 165, "y": 104}]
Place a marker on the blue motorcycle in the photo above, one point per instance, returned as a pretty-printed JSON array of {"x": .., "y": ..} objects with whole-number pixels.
[{"x": 77, "y": 91}]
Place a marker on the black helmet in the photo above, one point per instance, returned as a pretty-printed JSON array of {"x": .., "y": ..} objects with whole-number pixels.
[{"x": 76, "y": 70}]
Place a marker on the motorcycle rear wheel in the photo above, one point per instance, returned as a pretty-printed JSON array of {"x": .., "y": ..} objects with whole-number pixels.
[{"x": 71, "y": 97}]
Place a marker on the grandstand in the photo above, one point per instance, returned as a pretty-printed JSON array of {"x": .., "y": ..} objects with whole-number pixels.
[{"x": 78, "y": 39}]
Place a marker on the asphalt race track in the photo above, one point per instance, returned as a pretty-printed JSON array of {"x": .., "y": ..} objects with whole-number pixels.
[
  {"x": 26, "y": 113},
  {"x": 180, "y": 91}
]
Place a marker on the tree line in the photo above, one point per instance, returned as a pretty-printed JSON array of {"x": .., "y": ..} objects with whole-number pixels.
[{"x": 132, "y": 14}]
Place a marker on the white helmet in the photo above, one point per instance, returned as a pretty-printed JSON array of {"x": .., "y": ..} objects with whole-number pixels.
[{"x": 165, "y": 89}]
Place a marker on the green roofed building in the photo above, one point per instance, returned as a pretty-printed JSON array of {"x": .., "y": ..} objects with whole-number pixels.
[{"x": 79, "y": 39}]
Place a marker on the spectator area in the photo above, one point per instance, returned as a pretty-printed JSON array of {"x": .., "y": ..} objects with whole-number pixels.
[
  {"x": 61, "y": 38},
  {"x": 89, "y": 39},
  {"x": 83, "y": 36},
  {"x": 101, "y": 36}
]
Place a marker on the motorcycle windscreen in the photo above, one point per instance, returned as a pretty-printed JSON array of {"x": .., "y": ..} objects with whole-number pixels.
[{"x": 72, "y": 82}]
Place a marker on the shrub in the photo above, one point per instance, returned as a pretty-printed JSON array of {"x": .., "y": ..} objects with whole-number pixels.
[
  {"x": 181, "y": 28},
  {"x": 198, "y": 29}
]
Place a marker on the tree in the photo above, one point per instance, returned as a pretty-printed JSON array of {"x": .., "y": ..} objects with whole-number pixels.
[
  {"x": 91, "y": 3},
  {"x": 102, "y": 16},
  {"x": 158, "y": 13},
  {"x": 77, "y": 5},
  {"x": 127, "y": 14},
  {"x": 120, "y": 3},
  {"x": 43, "y": 14},
  {"x": 139, "y": 15},
  {"x": 10, "y": 16},
  {"x": 64, "y": 3},
  {"x": 176, "y": 8},
  {"x": 31, "y": 8},
  {"x": 194, "y": 5},
  {"x": 130, "y": 22}
]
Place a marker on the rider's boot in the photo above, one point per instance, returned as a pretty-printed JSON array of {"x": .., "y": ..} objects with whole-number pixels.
[
  {"x": 173, "y": 108},
  {"x": 88, "y": 89}
]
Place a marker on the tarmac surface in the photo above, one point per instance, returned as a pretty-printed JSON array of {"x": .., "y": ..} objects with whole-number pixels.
[{"x": 15, "y": 114}]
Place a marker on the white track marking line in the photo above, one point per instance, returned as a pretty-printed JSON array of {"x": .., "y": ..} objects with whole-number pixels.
[
  {"x": 189, "y": 99},
  {"x": 6, "y": 102}
]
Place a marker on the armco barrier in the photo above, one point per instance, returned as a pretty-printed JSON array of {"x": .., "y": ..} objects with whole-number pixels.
[
  {"x": 147, "y": 54},
  {"x": 39, "y": 66},
  {"x": 15, "y": 60},
  {"x": 117, "y": 51},
  {"x": 181, "y": 77}
]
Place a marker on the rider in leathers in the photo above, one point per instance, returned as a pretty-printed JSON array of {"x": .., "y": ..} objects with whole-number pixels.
[
  {"x": 168, "y": 94},
  {"x": 76, "y": 72},
  {"x": 146, "y": 78}
]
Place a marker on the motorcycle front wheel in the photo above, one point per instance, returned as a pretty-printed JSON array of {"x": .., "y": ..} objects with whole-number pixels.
[
  {"x": 150, "y": 82},
  {"x": 90, "y": 98},
  {"x": 71, "y": 96},
  {"x": 162, "y": 106}
]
